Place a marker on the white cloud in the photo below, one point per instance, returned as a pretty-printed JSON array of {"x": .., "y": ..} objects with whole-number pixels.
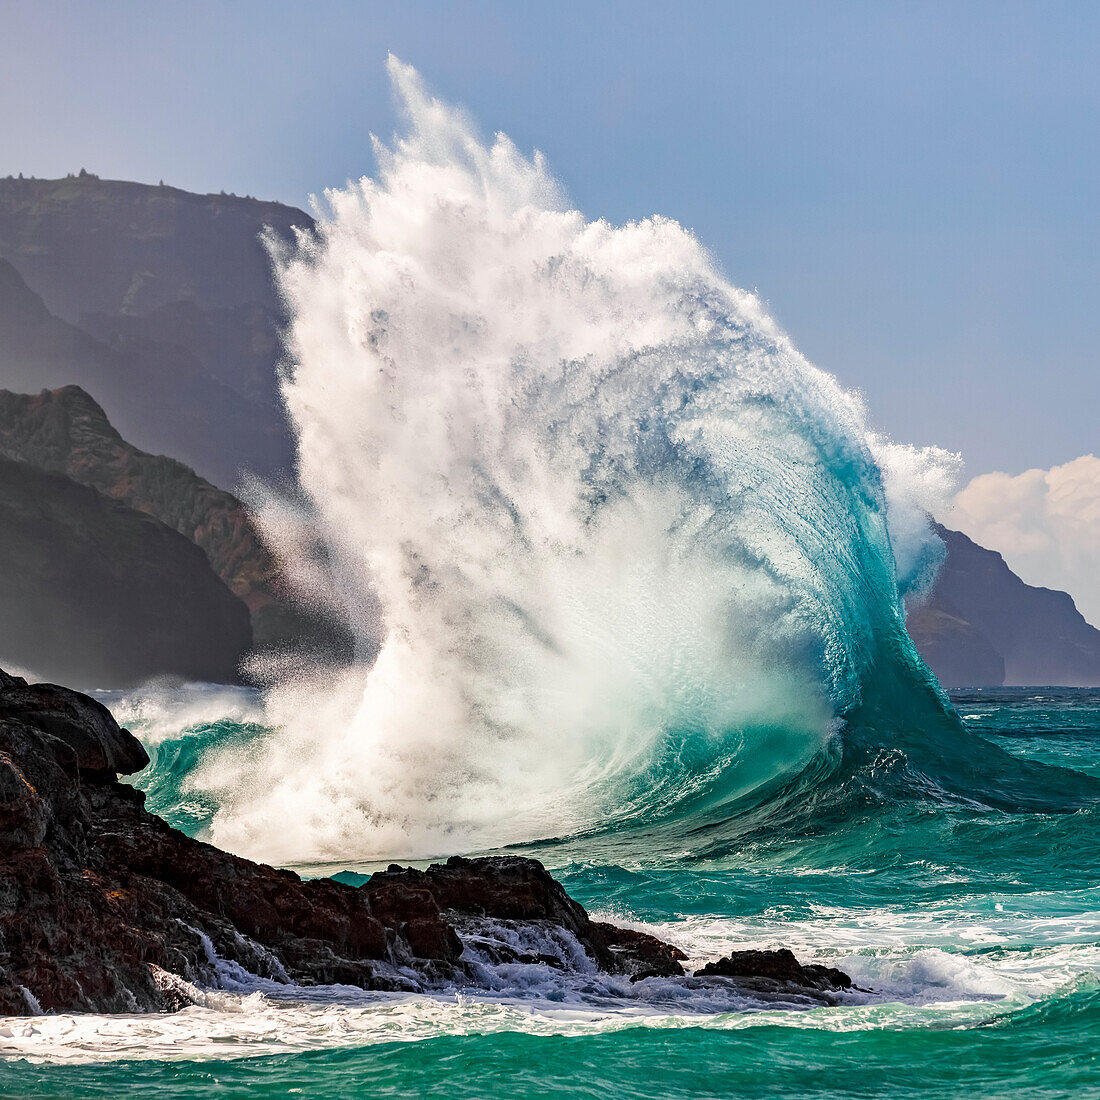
[{"x": 1046, "y": 523}]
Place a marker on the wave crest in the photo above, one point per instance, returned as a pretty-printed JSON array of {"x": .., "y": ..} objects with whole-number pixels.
[{"x": 616, "y": 542}]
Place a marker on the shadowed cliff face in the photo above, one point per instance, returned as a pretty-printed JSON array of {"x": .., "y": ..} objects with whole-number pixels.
[
  {"x": 99, "y": 594},
  {"x": 982, "y": 625},
  {"x": 66, "y": 432}
]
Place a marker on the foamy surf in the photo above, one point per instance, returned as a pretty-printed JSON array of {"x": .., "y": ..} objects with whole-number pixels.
[{"x": 906, "y": 985}]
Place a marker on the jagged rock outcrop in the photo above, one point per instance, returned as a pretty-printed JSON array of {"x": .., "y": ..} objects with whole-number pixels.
[
  {"x": 85, "y": 725},
  {"x": 99, "y": 594},
  {"x": 66, "y": 432},
  {"x": 515, "y": 889},
  {"x": 104, "y": 907},
  {"x": 775, "y": 971},
  {"x": 982, "y": 625}
]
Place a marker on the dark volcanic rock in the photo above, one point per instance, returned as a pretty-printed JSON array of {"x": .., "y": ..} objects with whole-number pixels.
[
  {"x": 65, "y": 431},
  {"x": 96, "y": 593},
  {"x": 773, "y": 971},
  {"x": 644, "y": 955},
  {"x": 86, "y": 726},
  {"x": 104, "y": 907},
  {"x": 518, "y": 889}
]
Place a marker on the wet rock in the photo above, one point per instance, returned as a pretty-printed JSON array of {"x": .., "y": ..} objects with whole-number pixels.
[
  {"x": 106, "y": 908},
  {"x": 643, "y": 955},
  {"x": 85, "y": 725},
  {"x": 514, "y": 888},
  {"x": 772, "y": 970}
]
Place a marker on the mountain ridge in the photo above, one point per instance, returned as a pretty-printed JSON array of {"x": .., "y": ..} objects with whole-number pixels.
[
  {"x": 65, "y": 431},
  {"x": 979, "y": 615},
  {"x": 88, "y": 245}
]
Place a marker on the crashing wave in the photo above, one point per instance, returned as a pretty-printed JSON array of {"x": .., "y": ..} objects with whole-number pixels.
[{"x": 619, "y": 548}]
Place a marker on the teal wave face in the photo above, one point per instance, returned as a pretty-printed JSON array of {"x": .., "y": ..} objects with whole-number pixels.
[
  {"x": 1009, "y": 809},
  {"x": 1002, "y": 756},
  {"x": 169, "y": 782}
]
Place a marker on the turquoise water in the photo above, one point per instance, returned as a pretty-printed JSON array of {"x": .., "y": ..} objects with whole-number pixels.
[
  {"x": 974, "y": 919},
  {"x": 1045, "y": 1050}
]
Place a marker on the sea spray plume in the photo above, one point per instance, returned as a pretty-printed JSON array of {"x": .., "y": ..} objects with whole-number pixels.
[
  {"x": 919, "y": 481},
  {"x": 629, "y": 546}
]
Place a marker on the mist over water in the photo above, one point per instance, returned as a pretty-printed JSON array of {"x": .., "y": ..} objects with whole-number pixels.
[{"x": 617, "y": 544}]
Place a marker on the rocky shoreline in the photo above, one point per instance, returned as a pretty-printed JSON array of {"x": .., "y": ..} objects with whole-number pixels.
[{"x": 106, "y": 908}]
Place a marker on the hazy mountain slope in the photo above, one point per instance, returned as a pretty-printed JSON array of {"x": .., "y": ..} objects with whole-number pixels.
[
  {"x": 97, "y": 594},
  {"x": 158, "y": 394},
  {"x": 237, "y": 346},
  {"x": 980, "y": 613},
  {"x": 178, "y": 288},
  {"x": 66, "y": 432},
  {"x": 88, "y": 245},
  {"x": 954, "y": 649}
]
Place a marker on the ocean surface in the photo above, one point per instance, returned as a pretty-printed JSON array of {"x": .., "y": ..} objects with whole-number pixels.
[{"x": 975, "y": 929}]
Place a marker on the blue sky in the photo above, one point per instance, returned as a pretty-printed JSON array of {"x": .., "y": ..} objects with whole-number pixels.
[{"x": 912, "y": 187}]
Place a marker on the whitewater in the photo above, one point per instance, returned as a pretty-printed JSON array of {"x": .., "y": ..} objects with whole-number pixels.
[
  {"x": 627, "y": 578},
  {"x": 608, "y": 542}
]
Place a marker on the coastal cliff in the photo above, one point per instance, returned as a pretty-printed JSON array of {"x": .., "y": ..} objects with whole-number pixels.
[
  {"x": 66, "y": 432},
  {"x": 160, "y": 303},
  {"x": 981, "y": 625}
]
